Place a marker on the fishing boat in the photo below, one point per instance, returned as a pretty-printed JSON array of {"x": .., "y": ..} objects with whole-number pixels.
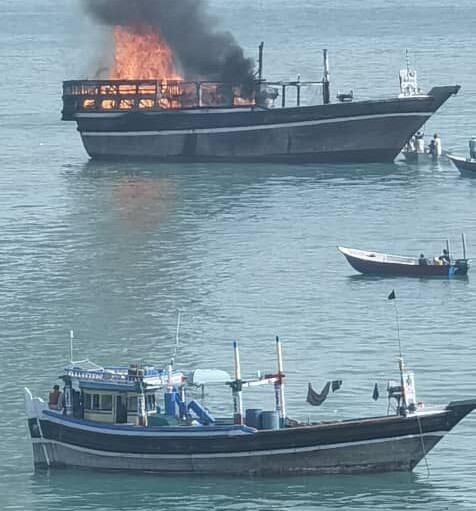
[
  {"x": 138, "y": 418},
  {"x": 377, "y": 263},
  {"x": 260, "y": 121},
  {"x": 466, "y": 166}
]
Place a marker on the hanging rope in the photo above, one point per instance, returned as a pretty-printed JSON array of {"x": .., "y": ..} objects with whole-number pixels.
[{"x": 423, "y": 446}]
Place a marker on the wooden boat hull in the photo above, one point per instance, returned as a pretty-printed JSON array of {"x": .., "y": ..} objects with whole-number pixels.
[
  {"x": 391, "y": 443},
  {"x": 465, "y": 166},
  {"x": 360, "y": 131}
]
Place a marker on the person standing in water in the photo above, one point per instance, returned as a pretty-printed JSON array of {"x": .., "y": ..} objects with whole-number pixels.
[
  {"x": 419, "y": 143},
  {"x": 472, "y": 148},
  {"x": 435, "y": 145}
]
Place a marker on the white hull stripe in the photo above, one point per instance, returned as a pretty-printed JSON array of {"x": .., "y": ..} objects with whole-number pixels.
[
  {"x": 231, "y": 129},
  {"x": 165, "y": 111},
  {"x": 241, "y": 454}
]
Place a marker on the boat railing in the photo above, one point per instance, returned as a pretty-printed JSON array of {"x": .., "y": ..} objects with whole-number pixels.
[
  {"x": 122, "y": 375},
  {"x": 86, "y": 96}
]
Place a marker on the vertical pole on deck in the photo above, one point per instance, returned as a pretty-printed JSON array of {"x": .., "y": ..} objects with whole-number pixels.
[
  {"x": 326, "y": 95},
  {"x": 283, "y": 96},
  {"x": 463, "y": 240},
  {"x": 141, "y": 408},
  {"x": 260, "y": 62},
  {"x": 401, "y": 366},
  {"x": 68, "y": 396},
  {"x": 237, "y": 388},
  {"x": 199, "y": 94},
  {"x": 71, "y": 337},
  {"x": 279, "y": 385},
  {"x": 448, "y": 248},
  {"x": 298, "y": 91}
]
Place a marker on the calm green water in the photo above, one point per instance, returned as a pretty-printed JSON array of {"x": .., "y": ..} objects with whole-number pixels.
[{"x": 246, "y": 252}]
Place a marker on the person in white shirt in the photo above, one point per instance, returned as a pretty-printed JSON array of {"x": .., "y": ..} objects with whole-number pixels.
[
  {"x": 435, "y": 145},
  {"x": 472, "y": 148}
]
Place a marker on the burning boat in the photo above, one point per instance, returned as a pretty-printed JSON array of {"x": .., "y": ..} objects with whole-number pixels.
[
  {"x": 178, "y": 90},
  {"x": 139, "y": 418},
  {"x": 175, "y": 120}
]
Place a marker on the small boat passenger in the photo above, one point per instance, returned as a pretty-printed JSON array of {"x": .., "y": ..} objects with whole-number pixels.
[
  {"x": 445, "y": 257},
  {"x": 422, "y": 260},
  {"x": 419, "y": 143},
  {"x": 54, "y": 398},
  {"x": 435, "y": 146}
]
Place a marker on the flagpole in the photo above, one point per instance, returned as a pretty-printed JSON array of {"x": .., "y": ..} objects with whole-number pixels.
[
  {"x": 401, "y": 364},
  {"x": 237, "y": 386},
  {"x": 71, "y": 337},
  {"x": 279, "y": 385}
]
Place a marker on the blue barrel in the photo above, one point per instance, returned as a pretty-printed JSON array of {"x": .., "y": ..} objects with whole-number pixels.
[
  {"x": 253, "y": 417},
  {"x": 270, "y": 420}
]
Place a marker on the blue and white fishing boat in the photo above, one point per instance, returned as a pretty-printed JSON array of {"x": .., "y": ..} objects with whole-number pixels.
[{"x": 138, "y": 418}]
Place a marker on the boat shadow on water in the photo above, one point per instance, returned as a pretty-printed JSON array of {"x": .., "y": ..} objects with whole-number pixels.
[
  {"x": 249, "y": 173},
  {"x": 379, "y": 491},
  {"x": 378, "y": 278}
]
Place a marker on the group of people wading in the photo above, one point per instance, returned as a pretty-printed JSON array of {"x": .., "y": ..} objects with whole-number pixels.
[{"x": 417, "y": 145}]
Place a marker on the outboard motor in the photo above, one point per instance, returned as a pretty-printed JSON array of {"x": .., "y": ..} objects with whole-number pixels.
[{"x": 461, "y": 266}]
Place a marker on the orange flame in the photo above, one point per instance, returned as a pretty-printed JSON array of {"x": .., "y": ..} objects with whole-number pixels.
[{"x": 144, "y": 56}]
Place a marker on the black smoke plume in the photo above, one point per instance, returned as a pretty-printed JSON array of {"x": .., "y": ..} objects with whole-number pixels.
[{"x": 203, "y": 52}]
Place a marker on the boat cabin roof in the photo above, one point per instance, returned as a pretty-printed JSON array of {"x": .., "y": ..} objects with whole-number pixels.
[{"x": 87, "y": 374}]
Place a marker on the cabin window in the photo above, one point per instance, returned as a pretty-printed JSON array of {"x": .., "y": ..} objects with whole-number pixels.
[
  {"x": 87, "y": 401},
  {"x": 132, "y": 404},
  {"x": 106, "y": 402},
  {"x": 150, "y": 402},
  {"x": 91, "y": 401}
]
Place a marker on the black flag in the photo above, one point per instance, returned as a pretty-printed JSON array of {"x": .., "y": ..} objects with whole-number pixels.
[
  {"x": 375, "y": 393},
  {"x": 336, "y": 385},
  {"x": 392, "y": 296},
  {"x": 316, "y": 399}
]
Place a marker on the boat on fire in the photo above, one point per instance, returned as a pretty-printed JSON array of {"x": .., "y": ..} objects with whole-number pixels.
[
  {"x": 377, "y": 263},
  {"x": 262, "y": 121},
  {"x": 138, "y": 418}
]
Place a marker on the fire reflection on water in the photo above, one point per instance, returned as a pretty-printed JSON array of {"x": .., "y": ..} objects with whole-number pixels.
[{"x": 145, "y": 203}]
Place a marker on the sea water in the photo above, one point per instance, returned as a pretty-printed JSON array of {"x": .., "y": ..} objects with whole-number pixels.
[{"x": 246, "y": 252}]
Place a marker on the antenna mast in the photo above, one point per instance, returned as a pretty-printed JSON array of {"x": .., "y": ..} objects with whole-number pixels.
[{"x": 71, "y": 338}]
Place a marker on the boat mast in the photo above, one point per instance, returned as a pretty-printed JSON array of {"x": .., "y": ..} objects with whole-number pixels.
[
  {"x": 260, "y": 62},
  {"x": 237, "y": 387},
  {"x": 448, "y": 247},
  {"x": 71, "y": 337},
  {"x": 401, "y": 365},
  {"x": 141, "y": 412},
  {"x": 463, "y": 240},
  {"x": 279, "y": 385}
]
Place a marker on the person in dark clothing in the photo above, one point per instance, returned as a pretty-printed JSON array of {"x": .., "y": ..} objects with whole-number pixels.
[
  {"x": 445, "y": 257},
  {"x": 422, "y": 260},
  {"x": 54, "y": 398}
]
